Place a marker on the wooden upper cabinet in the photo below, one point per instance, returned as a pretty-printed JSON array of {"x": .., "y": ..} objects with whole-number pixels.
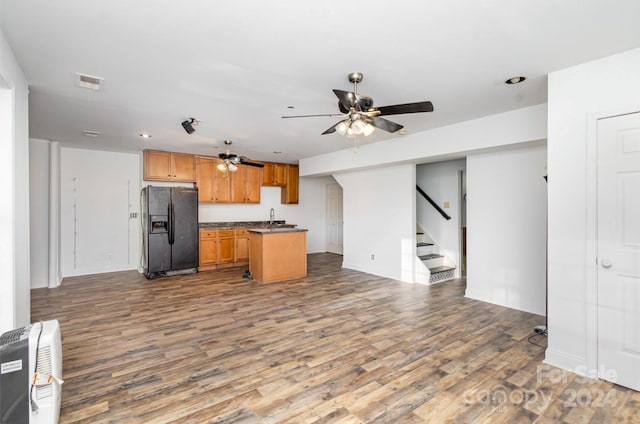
[
  {"x": 184, "y": 167},
  {"x": 222, "y": 185},
  {"x": 214, "y": 186},
  {"x": 238, "y": 184},
  {"x": 245, "y": 183},
  {"x": 169, "y": 166},
  {"x": 205, "y": 179},
  {"x": 253, "y": 180},
  {"x": 274, "y": 174},
  {"x": 289, "y": 195}
]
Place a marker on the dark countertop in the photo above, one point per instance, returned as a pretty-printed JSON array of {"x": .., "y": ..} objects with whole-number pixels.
[
  {"x": 277, "y": 230},
  {"x": 243, "y": 224}
]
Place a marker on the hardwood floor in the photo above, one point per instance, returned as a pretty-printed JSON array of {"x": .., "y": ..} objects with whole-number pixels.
[{"x": 337, "y": 346}]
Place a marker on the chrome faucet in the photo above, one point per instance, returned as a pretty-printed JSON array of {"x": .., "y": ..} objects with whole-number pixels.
[{"x": 272, "y": 215}]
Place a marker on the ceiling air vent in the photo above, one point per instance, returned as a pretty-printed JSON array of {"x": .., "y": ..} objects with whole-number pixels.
[
  {"x": 88, "y": 81},
  {"x": 89, "y": 133}
]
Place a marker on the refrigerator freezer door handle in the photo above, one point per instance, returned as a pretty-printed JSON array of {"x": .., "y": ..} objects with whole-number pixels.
[{"x": 171, "y": 224}]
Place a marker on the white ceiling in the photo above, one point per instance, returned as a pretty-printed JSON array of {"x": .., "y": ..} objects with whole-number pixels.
[{"x": 237, "y": 65}]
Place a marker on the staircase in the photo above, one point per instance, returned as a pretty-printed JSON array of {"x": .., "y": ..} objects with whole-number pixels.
[{"x": 438, "y": 267}]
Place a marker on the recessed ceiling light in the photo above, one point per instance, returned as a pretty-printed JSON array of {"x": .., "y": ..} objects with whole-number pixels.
[
  {"x": 145, "y": 135},
  {"x": 89, "y": 133},
  {"x": 515, "y": 80}
]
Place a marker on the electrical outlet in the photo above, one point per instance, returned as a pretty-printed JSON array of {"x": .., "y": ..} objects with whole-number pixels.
[{"x": 373, "y": 257}]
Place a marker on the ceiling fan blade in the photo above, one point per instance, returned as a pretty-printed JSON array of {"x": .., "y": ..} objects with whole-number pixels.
[
  {"x": 384, "y": 124},
  {"x": 330, "y": 130},
  {"x": 257, "y": 165},
  {"x": 332, "y": 115},
  {"x": 346, "y": 98},
  {"x": 405, "y": 108}
]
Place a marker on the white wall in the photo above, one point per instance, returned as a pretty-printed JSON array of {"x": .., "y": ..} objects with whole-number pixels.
[
  {"x": 506, "y": 224},
  {"x": 98, "y": 191},
  {"x": 577, "y": 97},
  {"x": 14, "y": 186},
  {"x": 309, "y": 213},
  {"x": 379, "y": 219},
  {"x": 39, "y": 211},
  {"x": 440, "y": 181}
]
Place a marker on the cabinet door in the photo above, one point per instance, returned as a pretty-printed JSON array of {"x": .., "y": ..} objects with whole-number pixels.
[
  {"x": 289, "y": 193},
  {"x": 242, "y": 248},
  {"x": 184, "y": 167},
  {"x": 225, "y": 250},
  {"x": 239, "y": 185},
  {"x": 267, "y": 174},
  {"x": 252, "y": 187},
  {"x": 157, "y": 165},
  {"x": 280, "y": 174},
  {"x": 205, "y": 179},
  {"x": 208, "y": 250},
  {"x": 222, "y": 186}
]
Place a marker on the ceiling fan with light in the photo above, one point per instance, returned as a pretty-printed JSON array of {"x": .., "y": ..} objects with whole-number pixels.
[
  {"x": 229, "y": 161},
  {"x": 360, "y": 117}
]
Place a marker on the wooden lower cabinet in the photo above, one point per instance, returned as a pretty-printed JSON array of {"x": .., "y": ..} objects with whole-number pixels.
[
  {"x": 226, "y": 246},
  {"x": 223, "y": 248},
  {"x": 242, "y": 246},
  {"x": 208, "y": 248}
]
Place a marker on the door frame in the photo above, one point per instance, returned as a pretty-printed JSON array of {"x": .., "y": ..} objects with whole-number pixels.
[
  {"x": 591, "y": 248},
  {"x": 326, "y": 212}
]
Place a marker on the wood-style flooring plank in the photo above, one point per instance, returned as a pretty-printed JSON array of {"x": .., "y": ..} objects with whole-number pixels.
[{"x": 338, "y": 346}]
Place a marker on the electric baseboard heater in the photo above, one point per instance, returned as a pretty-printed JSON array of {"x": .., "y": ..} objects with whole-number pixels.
[{"x": 31, "y": 374}]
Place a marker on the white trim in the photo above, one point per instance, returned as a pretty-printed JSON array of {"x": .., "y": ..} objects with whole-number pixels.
[
  {"x": 55, "y": 277},
  {"x": 565, "y": 361},
  {"x": 486, "y": 296}
]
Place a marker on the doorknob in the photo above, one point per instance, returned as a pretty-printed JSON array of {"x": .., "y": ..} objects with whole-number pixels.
[{"x": 606, "y": 263}]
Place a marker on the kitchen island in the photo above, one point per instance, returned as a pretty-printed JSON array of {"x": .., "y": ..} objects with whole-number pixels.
[{"x": 277, "y": 254}]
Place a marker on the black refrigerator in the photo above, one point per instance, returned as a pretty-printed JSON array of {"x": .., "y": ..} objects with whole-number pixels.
[{"x": 170, "y": 230}]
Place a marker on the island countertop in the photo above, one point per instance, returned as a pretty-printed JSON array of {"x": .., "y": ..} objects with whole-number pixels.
[
  {"x": 276, "y": 230},
  {"x": 243, "y": 225}
]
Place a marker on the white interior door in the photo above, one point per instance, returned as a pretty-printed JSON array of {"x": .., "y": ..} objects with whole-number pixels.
[
  {"x": 334, "y": 218},
  {"x": 619, "y": 250}
]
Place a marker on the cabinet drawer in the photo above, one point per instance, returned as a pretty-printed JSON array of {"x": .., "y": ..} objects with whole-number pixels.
[
  {"x": 242, "y": 231},
  {"x": 225, "y": 233},
  {"x": 207, "y": 233}
]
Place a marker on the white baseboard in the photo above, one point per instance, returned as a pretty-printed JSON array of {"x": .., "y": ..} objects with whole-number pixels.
[{"x": 566, "y": 361}]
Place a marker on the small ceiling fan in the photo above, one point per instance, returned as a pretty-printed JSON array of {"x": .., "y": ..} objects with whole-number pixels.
[
  {"x": 230, "y": 160},
  {"x": 361, "y": 117}
]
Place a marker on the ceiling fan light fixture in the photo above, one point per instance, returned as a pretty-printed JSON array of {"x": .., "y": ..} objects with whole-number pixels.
[
  {"x": 342, "y": 128},
  {"x": 222, "y": 167},
  {"x": 357, "y": 126},
  {"x": 368, "y": 129},
  {"x": 232, "y": 167}
]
